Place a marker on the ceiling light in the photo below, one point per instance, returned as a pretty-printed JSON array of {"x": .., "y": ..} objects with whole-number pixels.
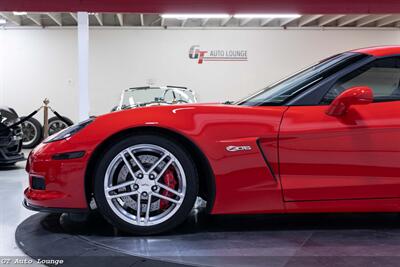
[
  {"x": 195, "y": 16},
  {"x": 2, "y": 21},
  {"x": 266, "y": 16},
  {"x": 19, "y": 13}
]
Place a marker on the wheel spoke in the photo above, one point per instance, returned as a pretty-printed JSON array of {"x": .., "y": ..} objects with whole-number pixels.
[
  {"x": 128, "y": 165},
  {"x": 121, "y": 185},
  {"x": 138, "y": 209},
  {"x": 131, "y": 198},
  {"x": 148, "y": 210},
  {"x": 164, "y": 169},
  {"x": 136, "y": 161},
  {"x": 169, "y": 189},
  {"x": 157, "y": 163},
  {"x": 167, "y": 198},
  {"x": 121, "y": 195}
]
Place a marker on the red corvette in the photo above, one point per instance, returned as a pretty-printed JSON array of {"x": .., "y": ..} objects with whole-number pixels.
[{"x": 322, "y": 140}]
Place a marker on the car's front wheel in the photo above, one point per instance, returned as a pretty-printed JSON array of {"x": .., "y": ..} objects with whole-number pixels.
[{"x": 145, "y": 184}]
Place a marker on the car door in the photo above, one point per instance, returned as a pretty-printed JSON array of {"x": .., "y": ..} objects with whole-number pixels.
[{"x": 354, "y": 156}]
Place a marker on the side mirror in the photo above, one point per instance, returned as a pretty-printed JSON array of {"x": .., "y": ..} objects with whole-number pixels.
[{"x": 358, "y": 95}]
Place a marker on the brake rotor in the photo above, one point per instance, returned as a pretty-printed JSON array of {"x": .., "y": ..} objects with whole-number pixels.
[
  {"x": 168, "y": 179},
  {"x": 130, "y": 201}
]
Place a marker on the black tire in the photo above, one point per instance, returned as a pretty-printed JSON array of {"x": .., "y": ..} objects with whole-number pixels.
[
  {"x": 32, "y": 133},
  {"x": 56, "y": 124},
  {"x": 191, "y": 184}
]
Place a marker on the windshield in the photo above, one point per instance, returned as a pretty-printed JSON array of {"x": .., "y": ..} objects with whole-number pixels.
[
  {"x": 281, "y": 91},
  {"x": 136, "y": 97}
]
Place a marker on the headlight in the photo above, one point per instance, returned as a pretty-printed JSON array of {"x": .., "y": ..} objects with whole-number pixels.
[{"x": 68, "y": 132}]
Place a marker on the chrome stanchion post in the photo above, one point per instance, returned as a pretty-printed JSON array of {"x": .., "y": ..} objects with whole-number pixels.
[{"x": 46, "y": 117}]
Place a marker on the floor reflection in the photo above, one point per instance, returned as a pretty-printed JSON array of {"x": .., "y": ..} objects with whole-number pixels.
[
  {"x": 232, "y": 240},
  {"x": 199, "y": 222}
]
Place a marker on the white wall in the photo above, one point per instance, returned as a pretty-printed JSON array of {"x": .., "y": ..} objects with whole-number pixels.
[{"x": 39, "y": 63}]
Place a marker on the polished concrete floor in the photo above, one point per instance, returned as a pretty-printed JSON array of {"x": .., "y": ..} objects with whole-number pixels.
[
  {"x": 330, "y": 240},
  {"x": 13, "y": 181},
  {"x": 262, "y": 240}
]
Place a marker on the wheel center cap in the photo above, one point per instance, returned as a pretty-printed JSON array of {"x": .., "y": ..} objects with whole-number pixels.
[{"x": 145, "y": 184}]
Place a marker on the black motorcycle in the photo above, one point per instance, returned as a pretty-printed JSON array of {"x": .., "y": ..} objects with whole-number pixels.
[{"x": 10, "y": 137}]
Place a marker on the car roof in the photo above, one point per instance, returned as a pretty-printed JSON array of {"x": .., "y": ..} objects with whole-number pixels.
[{"x": 380, "y": 51}]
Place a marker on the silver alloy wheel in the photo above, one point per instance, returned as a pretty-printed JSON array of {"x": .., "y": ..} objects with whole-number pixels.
[
  {"x": 29, "y": 133},
  {"x": 56, "y": 126},
  {"x": 134, "y": 187}
]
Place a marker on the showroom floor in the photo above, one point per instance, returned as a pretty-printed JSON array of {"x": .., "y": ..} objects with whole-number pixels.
[
  {"x": 268, "y": 240},
  {"x": 330, "y": 240},
  {"x": 12, "y": 213},
  {"x": 13, "y": 182}
]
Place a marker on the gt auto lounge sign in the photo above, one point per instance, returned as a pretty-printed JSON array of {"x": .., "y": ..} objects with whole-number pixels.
[{"x": 201, "y": 56}]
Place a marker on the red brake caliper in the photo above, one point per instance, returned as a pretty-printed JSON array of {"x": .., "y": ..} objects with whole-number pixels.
[{"x": 170, "y": 181}]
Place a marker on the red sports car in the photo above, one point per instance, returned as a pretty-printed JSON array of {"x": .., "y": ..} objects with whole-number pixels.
[{"x": 322, "y": 140}]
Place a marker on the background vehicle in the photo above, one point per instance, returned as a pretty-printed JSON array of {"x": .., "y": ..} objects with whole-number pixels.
[
  {"x": 57, "y": 124},
  {"x": 322, "y": 140},
  {"x": 33, "y": 130},
  {"x": 10, "y": 138},
  {"x": 155, "y": 96}
]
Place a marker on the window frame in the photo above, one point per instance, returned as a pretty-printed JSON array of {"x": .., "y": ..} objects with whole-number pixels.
[
  {"x": 308, "y": 84},
  {"x": 314, "y": 95},
  {"x": 349, "y": 73}
]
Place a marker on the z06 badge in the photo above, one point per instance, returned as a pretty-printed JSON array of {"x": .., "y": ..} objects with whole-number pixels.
[{"x": 238, "y": 148}]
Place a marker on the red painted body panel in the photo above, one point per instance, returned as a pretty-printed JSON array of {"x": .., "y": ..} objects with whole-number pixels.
[
  {"x": 357, "y": 205},
  {"x": 355, "y": 156},
  {"x": 301, "y": 159},
  {"x": 243, "y": 183},
  {"x": 380, "y": 51},
  {"x": 65, "y": 186}
]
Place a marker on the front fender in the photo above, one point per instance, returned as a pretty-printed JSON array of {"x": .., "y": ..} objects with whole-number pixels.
[{"x": 244, "y": 181}]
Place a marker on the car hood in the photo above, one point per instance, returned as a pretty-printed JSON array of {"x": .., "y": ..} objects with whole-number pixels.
[{"x": 172, "y": 114}]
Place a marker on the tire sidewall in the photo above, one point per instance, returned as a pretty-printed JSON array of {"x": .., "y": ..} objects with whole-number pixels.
[
  {"x": 58, "y": 119},
  {"x": 54, "y": 119},
  {"x": 39, "y": 133},
  {"x": 189, "y": 169}
]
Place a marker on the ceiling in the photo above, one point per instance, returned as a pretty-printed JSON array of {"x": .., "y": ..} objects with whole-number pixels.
[
  {"x": 58, "y": 19},
  {"x": 206, "y": 6}
]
